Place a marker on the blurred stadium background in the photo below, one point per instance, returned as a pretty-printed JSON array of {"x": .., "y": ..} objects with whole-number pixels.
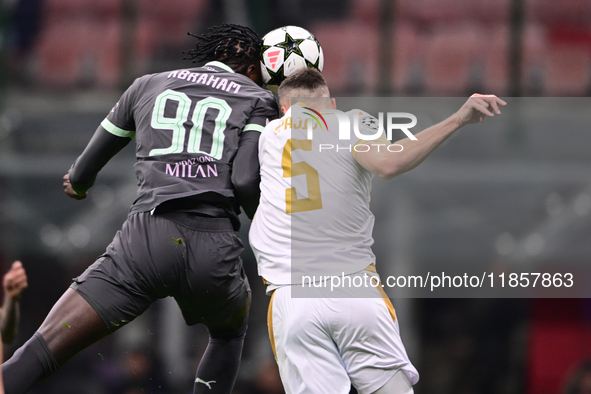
[{"x": 515, "y": 192}]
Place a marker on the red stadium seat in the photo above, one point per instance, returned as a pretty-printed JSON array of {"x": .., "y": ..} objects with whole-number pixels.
[
  {"x": 81, "y": 40},
  {"x": 350, "y": 55},
  {"x": 535, "y": 49},
  {"x": 163, "y": 25},
  {"x": 492, "y": 12},
  {"x": 105, "y": 9},
  {"x": 145, "y": 44},
  {"x": 448, "y": 59},
  {"x": 493, "y": 59},
  {"x": 434, "y": 12},
  {"x": 93, "y": 10},
  {"x": 105, "y": 41},
  {"x": 365, "y": 11},
  {"x": 563, "y": 12},
  {"x": 567, "y": 70},
  {"x": 170, "y": 21},
  {"x": 559, "y": 340},
  {"x": 80, "y": 43},
  {"x": 65, "y": 9},
  {"x": 58, "y": 53},
  {"x": 408, "y": 55}
]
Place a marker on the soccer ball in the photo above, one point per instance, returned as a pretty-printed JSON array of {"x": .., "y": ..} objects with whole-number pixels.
[{"x": 286, "y": 50}]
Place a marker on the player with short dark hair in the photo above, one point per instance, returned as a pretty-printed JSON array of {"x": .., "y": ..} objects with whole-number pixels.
[
  {"x": 309, "y": 83},
  {"x": 314, "y": 224},
  {"x": 196, "y": 133}
]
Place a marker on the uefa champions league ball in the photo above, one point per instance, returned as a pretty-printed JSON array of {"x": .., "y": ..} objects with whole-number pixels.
[{"x": 287, "y": 49}]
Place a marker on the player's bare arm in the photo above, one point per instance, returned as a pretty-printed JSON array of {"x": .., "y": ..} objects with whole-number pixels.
[
  {"x": 14, "y": 282},
  {"x": 385, "y": 164}
]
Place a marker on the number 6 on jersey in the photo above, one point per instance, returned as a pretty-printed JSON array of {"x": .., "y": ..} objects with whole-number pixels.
[{"x": 290, "y": 169}]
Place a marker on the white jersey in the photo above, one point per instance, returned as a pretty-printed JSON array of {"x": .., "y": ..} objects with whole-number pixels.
[
  {"x": 313, "y": 221},
  {"x": 314, "y": 217}
]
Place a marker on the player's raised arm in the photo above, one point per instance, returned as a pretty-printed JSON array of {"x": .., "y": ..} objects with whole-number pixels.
[
  {"x": 14, "y": 283},
  {"x": 386, "y": 164},
  {"x": 101, "y": 148}
]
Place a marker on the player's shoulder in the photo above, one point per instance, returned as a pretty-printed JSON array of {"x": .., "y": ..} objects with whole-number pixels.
[
  {"x": 146, "y": 82},
  {"x": 266, "y": 102},
  {"x": 141, "y": 81},
  {"x": 274, "y": 123},
  {"x": 256, "y": 92},
  {"x": 367, "y": 123},
  {"x": 276, "y": 126},
  {"x": 358, "y": 114},
  {"x": 273, "y": 126},
  {"x": 261, "y": 96},
  {"x": 213, "y": 73},
  {"x": 225, "y": 71},
  {"x": 265, "y": 94}
]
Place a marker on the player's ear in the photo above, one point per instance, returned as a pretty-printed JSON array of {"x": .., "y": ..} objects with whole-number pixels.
[
  {"x": 333, "y": 103},
  {"x": 254, "y": 73},
  {"x": 284, "y": 109}
]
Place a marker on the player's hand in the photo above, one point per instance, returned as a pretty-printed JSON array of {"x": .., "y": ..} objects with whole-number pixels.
[
  {"x": 15, "y": 281},
  {"x": 69, "y": 191},
  {"x": 478, "y": 107}
]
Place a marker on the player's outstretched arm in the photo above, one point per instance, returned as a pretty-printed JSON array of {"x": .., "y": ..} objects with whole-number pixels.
[
  {"x": 101, "y": 148},
  {"x": 14, "y": 282},
  {"x": 385, "y": 164}
]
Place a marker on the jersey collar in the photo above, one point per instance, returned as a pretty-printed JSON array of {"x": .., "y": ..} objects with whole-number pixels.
[
  {"x": 299, "y": 104},
  {"x": 221, "y": 65}
]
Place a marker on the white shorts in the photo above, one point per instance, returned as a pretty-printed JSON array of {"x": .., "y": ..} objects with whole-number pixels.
[{"x": 323, "y": 345}]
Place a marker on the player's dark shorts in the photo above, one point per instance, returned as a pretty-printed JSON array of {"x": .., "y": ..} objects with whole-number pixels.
[{"x": 194, "y": 259}]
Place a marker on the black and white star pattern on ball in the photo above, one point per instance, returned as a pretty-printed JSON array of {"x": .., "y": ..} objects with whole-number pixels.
[{"x": 291, "y": 45}]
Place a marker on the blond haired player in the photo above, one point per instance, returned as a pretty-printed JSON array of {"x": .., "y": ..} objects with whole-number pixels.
[{"x": 314, "y": 221}]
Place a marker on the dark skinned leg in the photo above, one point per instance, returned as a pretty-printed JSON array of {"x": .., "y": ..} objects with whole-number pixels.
[
  {"x": 71, "y": 325},
  {"x": 218, "y": 368}
]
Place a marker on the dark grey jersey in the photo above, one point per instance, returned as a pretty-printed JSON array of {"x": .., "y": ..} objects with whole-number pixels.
[{"x": 188, "y": 125}]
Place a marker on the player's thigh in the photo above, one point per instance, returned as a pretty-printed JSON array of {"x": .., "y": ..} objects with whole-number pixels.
[
  {"x": 369, "y": 340},
  {"x": 214, "y": 289},
  {"x": 125, "y": 281},
  {"x": 308, "y": 360},
  {"x": 71, "y": 325}
]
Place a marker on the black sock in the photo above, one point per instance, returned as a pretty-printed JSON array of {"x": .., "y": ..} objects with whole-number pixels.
[
  {"x": 30, "y": 363},
  {"x": 218, "y": 368}
]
